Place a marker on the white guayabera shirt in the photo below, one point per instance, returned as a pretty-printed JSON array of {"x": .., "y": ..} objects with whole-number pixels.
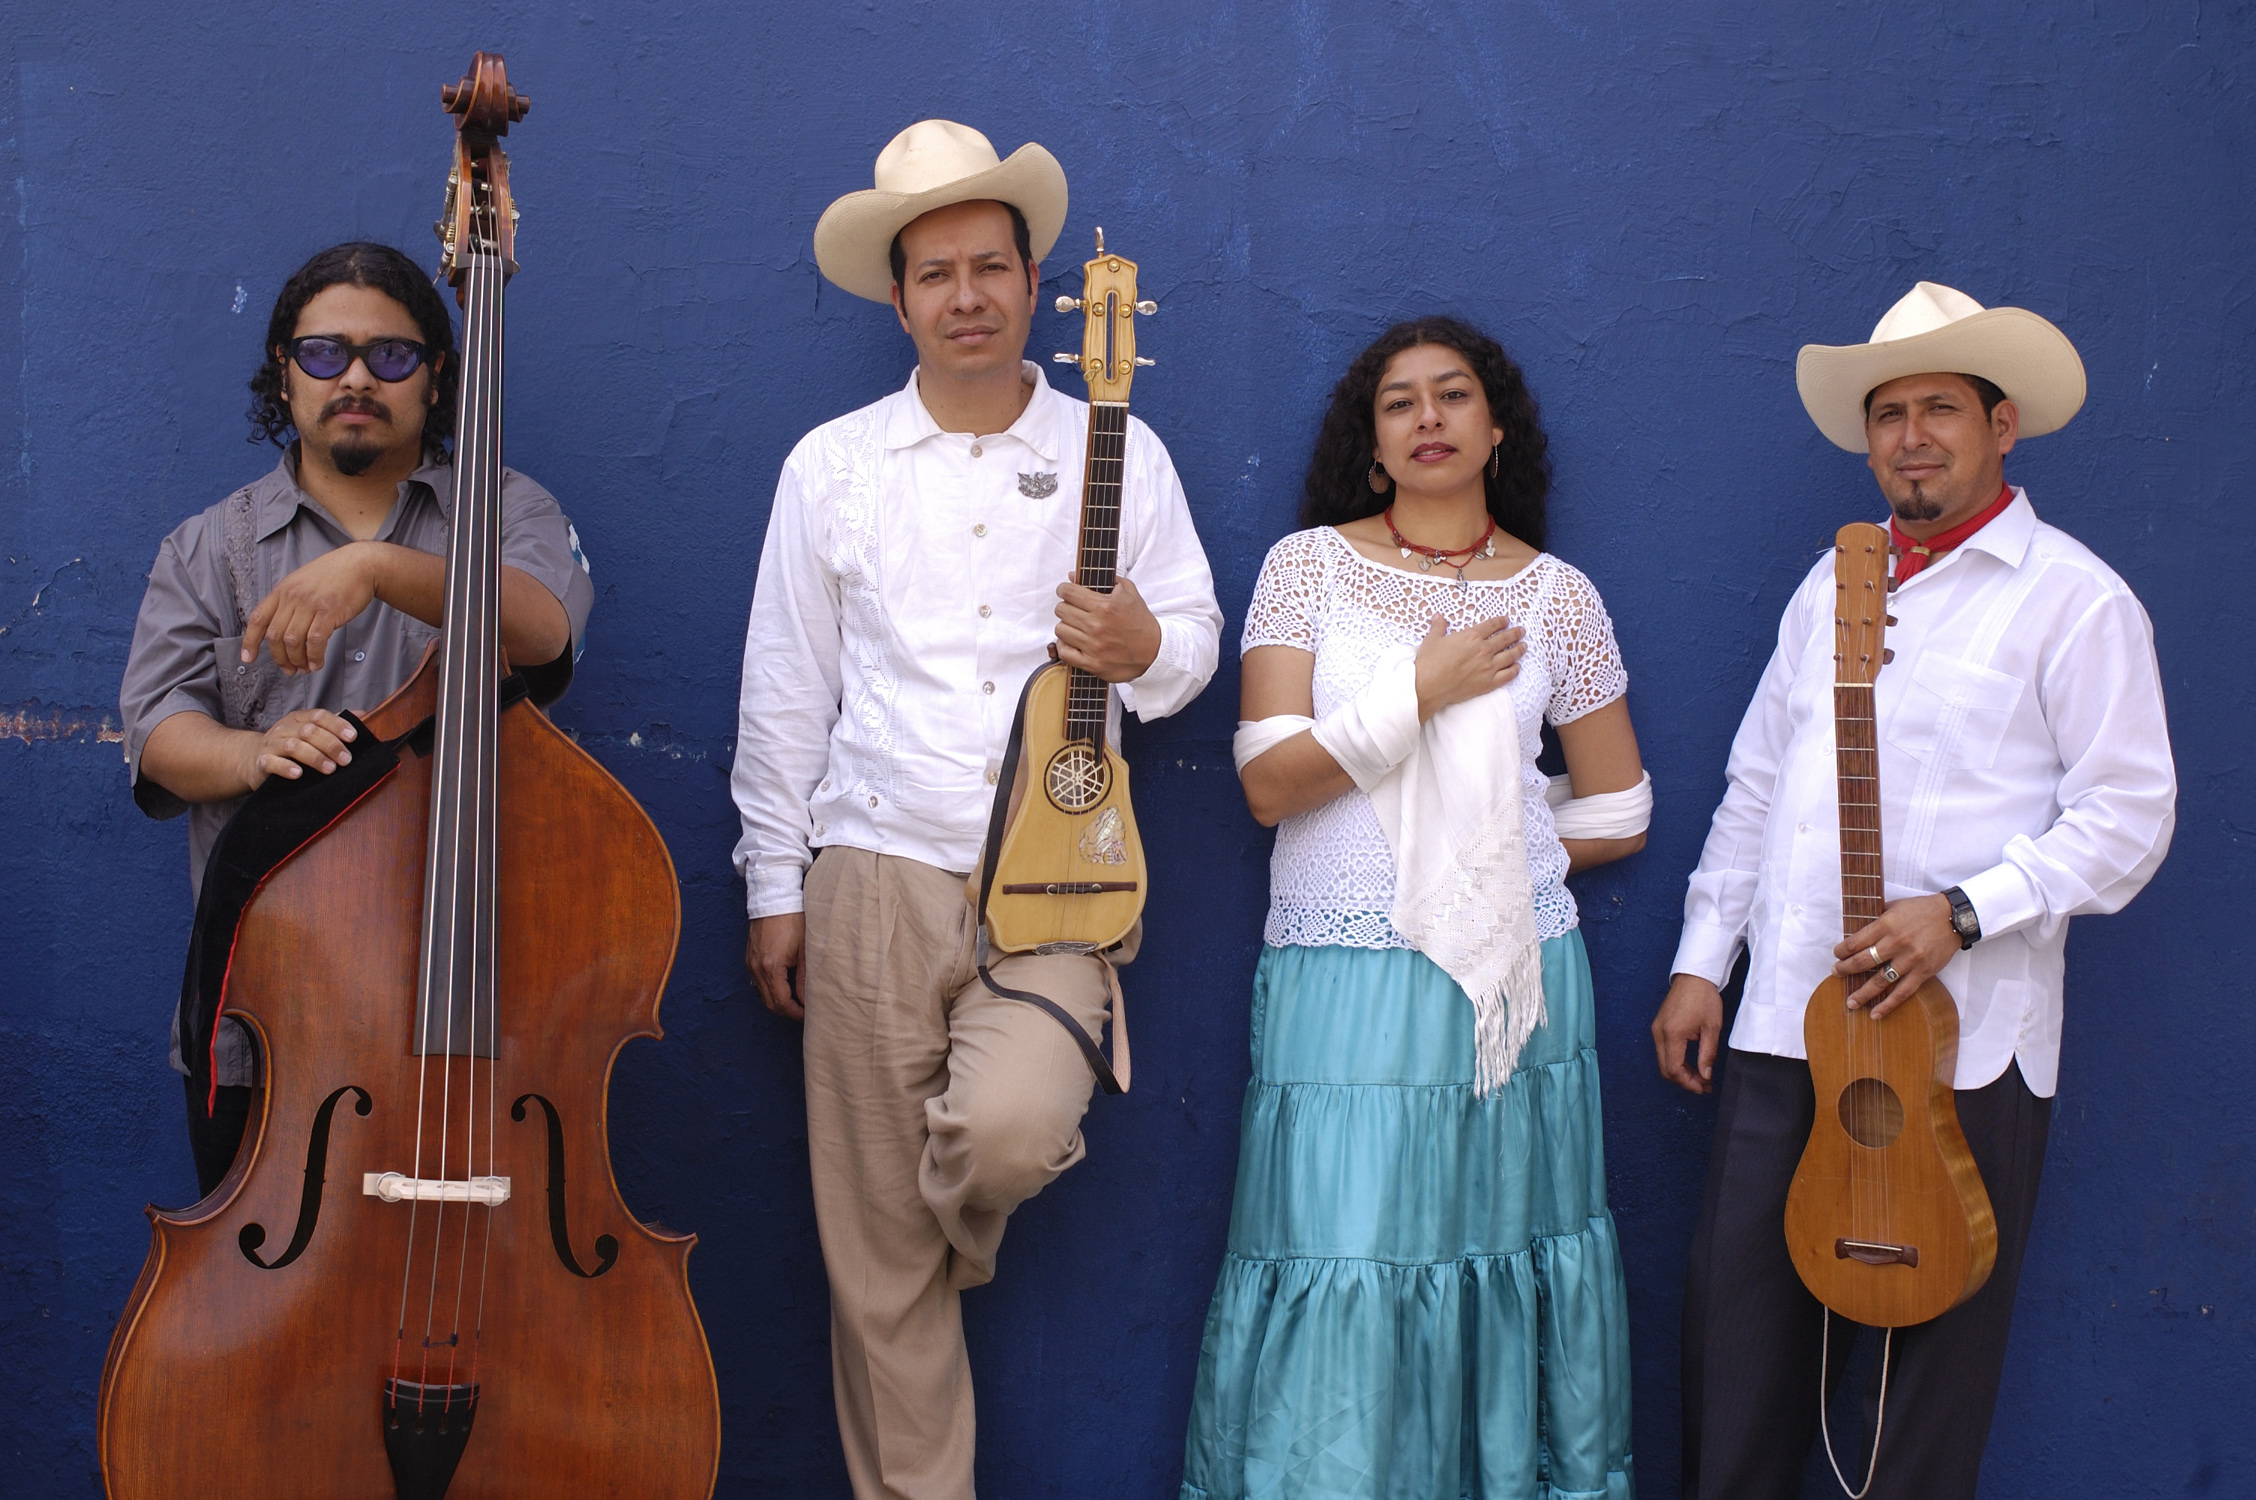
[
  {"x": 2023, "y": 758},
  {"x": 908, "y": 587}
]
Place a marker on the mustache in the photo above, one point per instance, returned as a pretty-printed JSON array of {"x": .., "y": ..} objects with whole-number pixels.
[{"x": 367, "y": 406}]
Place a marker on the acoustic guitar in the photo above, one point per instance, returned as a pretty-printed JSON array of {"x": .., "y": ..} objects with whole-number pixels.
[
  {"x": 1064, "y": 867},
  {"x": 1887, "y": 1219}
]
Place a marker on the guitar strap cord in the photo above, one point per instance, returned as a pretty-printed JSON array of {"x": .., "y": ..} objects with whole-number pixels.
[
  {"x": 1005, "y": 779},
  {"x": 1879, "y": 1420}
]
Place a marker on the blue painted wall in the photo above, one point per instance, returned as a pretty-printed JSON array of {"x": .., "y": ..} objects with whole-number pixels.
[{"x": 1654, "y": 207}]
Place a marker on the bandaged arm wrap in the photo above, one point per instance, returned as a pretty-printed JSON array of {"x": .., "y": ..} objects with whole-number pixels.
[{"x": 1607, "y": 815}]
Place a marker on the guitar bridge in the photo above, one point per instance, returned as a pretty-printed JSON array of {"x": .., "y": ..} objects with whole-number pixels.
[{"x": 1873, "y": 1253}]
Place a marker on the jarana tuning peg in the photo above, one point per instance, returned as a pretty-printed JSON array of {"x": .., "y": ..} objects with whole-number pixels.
[
  {"x": 1887, "y": 655},
  {"x": 1069, "y": 304},
  {"x": 1065, "y": 359},
  {"x": 1143, "y": 361},
  {"x": 1147, "y": 307}
]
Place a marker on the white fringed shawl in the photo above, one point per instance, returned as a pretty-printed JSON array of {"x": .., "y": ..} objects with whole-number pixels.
[{"x": 1447, "y": 794}]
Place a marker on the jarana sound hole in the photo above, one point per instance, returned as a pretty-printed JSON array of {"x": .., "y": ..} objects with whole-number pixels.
[
  {"x": 1078, "y": 778},
  {"x": 1871, "y": 1113}
]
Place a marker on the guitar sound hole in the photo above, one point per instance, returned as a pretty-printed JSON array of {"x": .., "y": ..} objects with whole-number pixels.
[
  {"x": 1871, "y": 1113},
  {"x": 1077, "y": 779}
]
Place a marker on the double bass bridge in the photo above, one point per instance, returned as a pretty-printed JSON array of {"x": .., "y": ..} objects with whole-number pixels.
[{"x": 397, "y": 1187}]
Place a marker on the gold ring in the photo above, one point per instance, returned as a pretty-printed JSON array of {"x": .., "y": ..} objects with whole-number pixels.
[{"x": 1877, "y": 960}]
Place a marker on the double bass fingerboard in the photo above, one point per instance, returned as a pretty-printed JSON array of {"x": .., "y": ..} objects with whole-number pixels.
[{"x": 1088, "y": 695}]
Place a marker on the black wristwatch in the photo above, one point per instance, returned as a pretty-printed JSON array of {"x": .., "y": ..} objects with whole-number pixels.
[{"x": 1963, "y": 921}]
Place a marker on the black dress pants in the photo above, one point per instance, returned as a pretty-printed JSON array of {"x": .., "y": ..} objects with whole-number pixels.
[
  {"x": 213, "y": 1138},
  {"x": 1751, "y": 1329}
]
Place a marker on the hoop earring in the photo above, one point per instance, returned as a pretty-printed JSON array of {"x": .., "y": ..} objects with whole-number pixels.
[
  {"x": 1375, "y": 477},
  {"x": 1493, "y": 450}
]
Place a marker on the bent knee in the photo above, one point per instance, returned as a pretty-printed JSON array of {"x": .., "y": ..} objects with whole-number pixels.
[{"x": 1004, "y": 1147}]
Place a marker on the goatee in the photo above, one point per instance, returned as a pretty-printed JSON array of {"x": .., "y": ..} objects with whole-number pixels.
[
  {"x": 351, "y": 458},
  {"x": 1916, "y": 506}
]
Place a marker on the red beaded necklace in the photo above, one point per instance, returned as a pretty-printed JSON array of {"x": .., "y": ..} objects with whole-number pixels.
[{"x": 1456, "y": 557}]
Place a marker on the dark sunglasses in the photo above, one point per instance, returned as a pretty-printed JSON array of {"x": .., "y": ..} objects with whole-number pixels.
[{"x": 325, "y": 358}]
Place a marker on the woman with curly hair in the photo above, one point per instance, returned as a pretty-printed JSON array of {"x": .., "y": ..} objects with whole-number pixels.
[{"x": 1423, "y": 1293}]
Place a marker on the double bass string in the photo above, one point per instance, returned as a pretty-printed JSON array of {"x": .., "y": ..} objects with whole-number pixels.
[{"x": 465, "y": 674}]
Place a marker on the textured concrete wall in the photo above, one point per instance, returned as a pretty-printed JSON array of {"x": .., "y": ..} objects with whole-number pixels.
[{"x": 1652, "y": 204}]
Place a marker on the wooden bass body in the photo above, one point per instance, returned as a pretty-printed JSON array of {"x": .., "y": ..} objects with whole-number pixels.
[
  {"x": 1887, "y": 1219},
  {"x": 1069, "y": 871},
  {"x": 227, "y": 1378}
]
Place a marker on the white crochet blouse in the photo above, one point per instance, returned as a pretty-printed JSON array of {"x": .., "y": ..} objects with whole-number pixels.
[{"x": 1331, "y": 878}]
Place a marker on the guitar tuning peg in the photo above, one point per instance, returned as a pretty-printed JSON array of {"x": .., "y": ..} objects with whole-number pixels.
[
  {"x": 1891, "y": 619},
  {"x": 1147, "y": 307},
  {"x": 1069, "y": 304},
  {"x": 1887, "y": 655},
  {"x": 1065, "y": 359},
  {"x": 1143, "y": 361}
]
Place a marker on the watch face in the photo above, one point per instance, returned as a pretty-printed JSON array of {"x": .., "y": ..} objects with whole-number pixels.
[{"x": 1963, "y": 921}]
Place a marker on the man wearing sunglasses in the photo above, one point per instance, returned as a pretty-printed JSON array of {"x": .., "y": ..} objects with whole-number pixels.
[{"x": 317, "y": 588}]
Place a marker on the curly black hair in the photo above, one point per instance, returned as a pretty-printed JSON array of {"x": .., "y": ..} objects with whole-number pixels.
[
  {"x": 1336, "y": 490},
  {"x": 380, "y": 268}
]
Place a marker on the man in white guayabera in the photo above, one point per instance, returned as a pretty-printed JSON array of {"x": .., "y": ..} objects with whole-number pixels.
[
  {"x": 909, "y": 584},
  {"x": 2025, "y": 778}
]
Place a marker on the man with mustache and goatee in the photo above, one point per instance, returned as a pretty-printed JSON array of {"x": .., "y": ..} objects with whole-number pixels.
[
  {"x": 2024, "y": 779},
  {"x": 333, "y": 564}
]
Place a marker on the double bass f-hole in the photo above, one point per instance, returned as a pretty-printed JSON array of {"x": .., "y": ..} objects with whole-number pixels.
[
  {"x": 559, "y": 1229},
  {"x": 316, "y": 1174}
]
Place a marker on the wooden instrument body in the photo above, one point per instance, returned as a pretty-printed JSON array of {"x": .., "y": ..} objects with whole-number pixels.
[
  {"x": 1068, "y": 866},
  {"x": 1887, "y": 1168},
  {"x": 1886, "y": 1219},
  {"x": 1051, "y": 847},
  {"x": 227, "y": 1379}
]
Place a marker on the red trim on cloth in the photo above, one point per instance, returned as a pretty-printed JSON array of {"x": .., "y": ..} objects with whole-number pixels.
[{"x": 1918, "y": 554}]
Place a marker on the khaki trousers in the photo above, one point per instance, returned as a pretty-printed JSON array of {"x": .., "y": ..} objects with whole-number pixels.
[{"x": 934, "y": 1108}]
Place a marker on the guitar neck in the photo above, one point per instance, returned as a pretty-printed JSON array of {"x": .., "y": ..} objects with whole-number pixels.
[
  {"x": 1099, "y": 554},
  {"x": 1856, "y": 757}
]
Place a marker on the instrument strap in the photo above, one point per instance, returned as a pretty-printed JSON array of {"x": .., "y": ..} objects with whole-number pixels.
[
  {"x": 1825, "y": 1420},
  {"x": 997, "y": 816}
]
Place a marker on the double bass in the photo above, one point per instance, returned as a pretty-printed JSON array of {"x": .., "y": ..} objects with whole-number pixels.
[{"x": 419, "y": 1280}]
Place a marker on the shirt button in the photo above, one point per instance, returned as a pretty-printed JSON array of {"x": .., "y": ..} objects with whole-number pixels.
[
  {"x": 240, "y": 670},
  {"x": 873, "y": 802},
  {"x": 985, "y": 610},
  {"x": 360, "y": 656},
  {"x": 1802, "y": 828},
  {"x": 992, "y": 775},
  {"x": 975, "y": 450},
  {"x": 980, "y": 529},
  {"x": 987, "y": 687}
]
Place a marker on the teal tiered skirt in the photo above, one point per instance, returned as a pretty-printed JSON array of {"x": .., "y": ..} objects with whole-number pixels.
[{"x": 1422, "y": 1297}]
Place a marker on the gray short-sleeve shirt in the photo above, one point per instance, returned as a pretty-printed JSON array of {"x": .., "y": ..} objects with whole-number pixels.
[{"x": 190, "y": 629}]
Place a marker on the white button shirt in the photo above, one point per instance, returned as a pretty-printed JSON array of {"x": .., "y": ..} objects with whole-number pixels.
[
  {"x": 907, "y": 588},
  {"x": 2023, "y": 758}
]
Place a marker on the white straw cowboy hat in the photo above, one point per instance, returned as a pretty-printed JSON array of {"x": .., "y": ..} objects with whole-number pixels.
[
  {"x": 1936, "y": 330},
  {"x": 930, "y": 165}
]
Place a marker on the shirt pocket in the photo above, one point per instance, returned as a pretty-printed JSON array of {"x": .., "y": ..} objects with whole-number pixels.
[
  {"x": 255, "y": 695},
  {"x": 1953, "y": 715}
]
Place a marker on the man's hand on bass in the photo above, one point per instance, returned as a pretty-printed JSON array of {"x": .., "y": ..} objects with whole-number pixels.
[{"x": 1114, "y": 636}]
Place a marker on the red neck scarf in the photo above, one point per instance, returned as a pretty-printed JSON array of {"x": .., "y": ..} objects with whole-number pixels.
[{"x": 1918, "y": 554}]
